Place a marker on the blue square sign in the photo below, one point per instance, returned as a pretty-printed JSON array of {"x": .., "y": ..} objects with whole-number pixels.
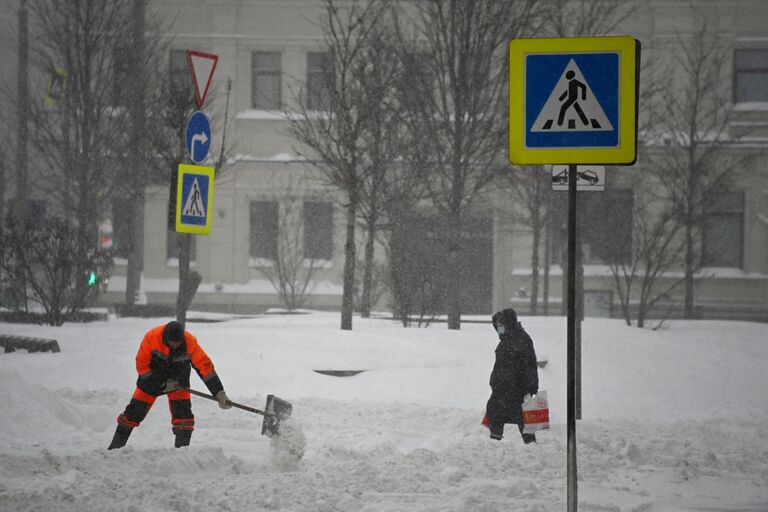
[
  {"x": 573, "y": 100},
  {"x": 194, "y": 199},
  {"x": 194, "y": 193}
]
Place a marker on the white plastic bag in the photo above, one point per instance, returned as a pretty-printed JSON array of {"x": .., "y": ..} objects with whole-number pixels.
[{"x": 536, "y": 413}]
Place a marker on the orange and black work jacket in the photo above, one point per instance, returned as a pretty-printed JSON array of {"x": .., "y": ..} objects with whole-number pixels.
[{"x": 156, "y": 362}]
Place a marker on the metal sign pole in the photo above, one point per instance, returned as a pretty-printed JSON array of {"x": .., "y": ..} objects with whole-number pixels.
[{"x": 571, "y": 332}]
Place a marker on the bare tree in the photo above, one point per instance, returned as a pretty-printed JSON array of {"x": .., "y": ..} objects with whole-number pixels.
[
  {"x": 458, "y": 93},
  {"x": 44, "y": 254},
  {"x": 289, "y": 271},
  {"x": 331, "y": 117},
  {"x": 645, "y": 273},
  {"x": 585, "y": 18},
  {"x": 79, "y": 135},
  {"x": 382, "y": 138},
  {"x": 531, "y": 187},
  {"x": 694, "y": 160}
]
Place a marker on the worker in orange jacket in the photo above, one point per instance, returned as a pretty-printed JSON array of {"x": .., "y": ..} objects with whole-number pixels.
[{"x": 164, "y": 362}]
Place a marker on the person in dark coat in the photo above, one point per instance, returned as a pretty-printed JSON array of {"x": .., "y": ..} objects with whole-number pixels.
[{"x": 514, "y": 375}]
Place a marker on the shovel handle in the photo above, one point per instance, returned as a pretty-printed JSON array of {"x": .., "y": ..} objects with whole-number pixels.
[{"x": 234, "y": 404}]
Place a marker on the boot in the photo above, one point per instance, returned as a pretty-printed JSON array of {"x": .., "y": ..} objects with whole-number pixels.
[
  {"x": 122, "y": 433},
  {"x": 529, "y": 438},
  {"x": 182, "y": 437},
  {"x": 497, "y": 431}
]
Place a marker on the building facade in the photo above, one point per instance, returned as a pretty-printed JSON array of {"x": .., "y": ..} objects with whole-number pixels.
[
  {"x": 268, "y": 49},
  {"x": 268, "y": 199}
]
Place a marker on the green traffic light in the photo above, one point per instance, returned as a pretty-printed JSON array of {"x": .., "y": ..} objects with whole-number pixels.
[{"x": 92, "y": 278}]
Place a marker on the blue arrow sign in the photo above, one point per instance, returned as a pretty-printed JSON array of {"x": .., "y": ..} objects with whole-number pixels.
[{"x": 198, "y": 137}]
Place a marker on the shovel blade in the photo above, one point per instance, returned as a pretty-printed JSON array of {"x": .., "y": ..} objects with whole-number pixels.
[{"x": 276, "y": 409}]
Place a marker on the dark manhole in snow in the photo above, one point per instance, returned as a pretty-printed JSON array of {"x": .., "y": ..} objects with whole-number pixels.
[{"x": 339, "y": 373}]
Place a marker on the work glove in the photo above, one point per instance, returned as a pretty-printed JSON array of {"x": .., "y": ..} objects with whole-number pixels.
[
  {"x": 171, "y": 385},
  {"x": 224, "y": 402}
]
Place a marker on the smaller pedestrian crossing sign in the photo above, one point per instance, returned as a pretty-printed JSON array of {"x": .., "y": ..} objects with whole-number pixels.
[
  {"x": 573, "y": 100},
  {"x": 194, "y": 199}
]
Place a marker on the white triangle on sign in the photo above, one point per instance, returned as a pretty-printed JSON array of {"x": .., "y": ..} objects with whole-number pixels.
[
  {"x": 572, "y": 106},
  {"x": 194, "y": 206},
  {"x": 203, "y": 65}
]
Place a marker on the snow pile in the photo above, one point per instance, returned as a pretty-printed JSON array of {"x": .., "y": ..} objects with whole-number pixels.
[
  {"x": 288, "y": 447},
  {"x": 674, "y": 420}
]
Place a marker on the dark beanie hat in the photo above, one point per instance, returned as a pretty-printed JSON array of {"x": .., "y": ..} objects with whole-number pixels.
[
  {"x": 173, "y": 331},
  {"x": 506, "y": 317}
]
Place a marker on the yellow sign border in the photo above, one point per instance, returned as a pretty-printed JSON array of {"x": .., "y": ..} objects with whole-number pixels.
[
  {"x": 185, "y": 169},
  {"x": 56, "y": 70},
  {"x": 625, "y": 153}
]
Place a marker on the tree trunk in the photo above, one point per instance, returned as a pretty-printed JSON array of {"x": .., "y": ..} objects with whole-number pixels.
[
  {"x": 135, "y": 249},
  {"x": 365, "y": 306},
  {"x": 398, "y": 272},
  {"x": 453, "y": 282},
  {"x": 22, "y": 110},
  {"x": 350, "y": 255},
  {"x": 136, "y": 222},
  {"x": 689, "y": 264}
]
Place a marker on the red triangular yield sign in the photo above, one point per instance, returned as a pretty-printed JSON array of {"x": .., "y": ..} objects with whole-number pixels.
[{"x": 203, "y": 66}]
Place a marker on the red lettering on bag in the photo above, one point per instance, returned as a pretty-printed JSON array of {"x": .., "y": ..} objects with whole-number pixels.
[{"x": 536, "y": 416}]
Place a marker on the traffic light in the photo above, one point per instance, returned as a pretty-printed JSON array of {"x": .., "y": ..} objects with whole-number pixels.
[{"x": 92, "y": 278}]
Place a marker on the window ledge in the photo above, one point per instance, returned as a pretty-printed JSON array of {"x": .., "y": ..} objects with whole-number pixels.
[
  {"x": 262, "y": 115},
  {"x": 260, "y": 262},
  {"x": 174, "y": 262},
  {"x": 751, "y": 106},
  {"x": 310, "y": 263}
]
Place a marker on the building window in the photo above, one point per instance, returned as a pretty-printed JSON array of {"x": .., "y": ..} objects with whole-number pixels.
[
  {"x": 180, "y": 84},
  {"x": 121, "y": 227},
  {"x": 172, "y": 246},
  {"x": 723, "y": 230},
  {"x": 318, "y": 230},
  {"x": 264, "y": 230},
  {"x": 320, "y": 76},
  {"x": 750, "y": 72},
  {"x": 121, "y": 76},
  {"x": 265, "y": 80},
  {"x": 418, "y": 80},
  {"x": 605, "y": 228}
]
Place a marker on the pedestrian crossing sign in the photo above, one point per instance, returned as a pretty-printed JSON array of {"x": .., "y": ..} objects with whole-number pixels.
[
  {"x": 573, "y": 100},
  {"x": 194, "y": 199}
]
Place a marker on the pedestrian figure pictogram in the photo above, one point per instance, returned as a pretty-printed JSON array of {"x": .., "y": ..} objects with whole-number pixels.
[
  {"x": 573, "y": 98},
  {"x": 194, "y": 204},
  {"x": 572, "y": 106}
]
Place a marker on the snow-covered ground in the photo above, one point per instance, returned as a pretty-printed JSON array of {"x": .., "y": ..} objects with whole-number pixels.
[{"x": 675, "y": 419}]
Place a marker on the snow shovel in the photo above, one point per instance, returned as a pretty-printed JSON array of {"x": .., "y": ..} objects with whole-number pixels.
[{"x": 276, "y": 410}]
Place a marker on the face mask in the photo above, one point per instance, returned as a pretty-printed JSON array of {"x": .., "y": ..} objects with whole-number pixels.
[{"x": 501, "y": 329}]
